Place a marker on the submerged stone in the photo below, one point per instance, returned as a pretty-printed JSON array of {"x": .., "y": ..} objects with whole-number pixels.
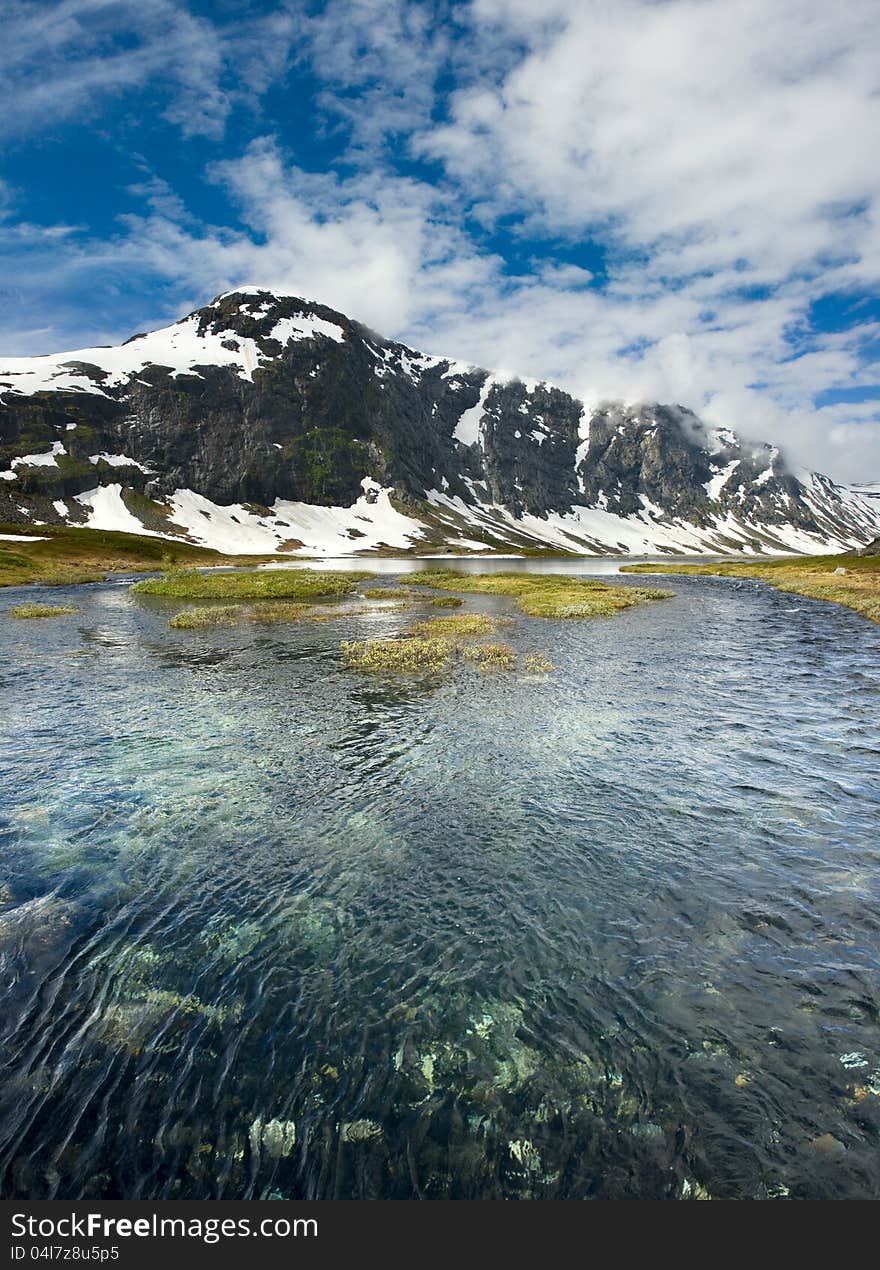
[
  {"x": 276, "y": 1138},
  {"x": 526, "y": 1154},
  {"x": 828, "y": 1146},
  {"x": 360, "y": 1131}
]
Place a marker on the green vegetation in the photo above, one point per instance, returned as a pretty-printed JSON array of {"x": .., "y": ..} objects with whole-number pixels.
[
  {"x": 41, "y": 610},
  {"x": 456, "y": 626},
  {"x": 265, "y": 584},
  {"x": 417, "y": 654},
  {"x": 213, "y": 615},
  {"x": 542, "y": 594},
  {"x": 385, "y": 592},
  {"x": 269, "y": 612},
  {"x": 538, "y": 664},
  {"x": 66, "y": 556},
  {"x": 439, "y": 643},
  {"x": 265, "y": 613},
  {"x": 446, "y": 602},
  {"x": 401, "y": 656},
  {"x": 816, "y": 577},
  {"x": 491, "y": 656}
]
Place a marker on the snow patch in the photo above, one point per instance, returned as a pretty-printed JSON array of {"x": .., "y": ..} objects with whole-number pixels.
[
  {"x": 118, "y": 460},
  {"x": 468, "y": 429},
  {"x": 47, "y": 459},
  {"x": 714, "y": 486},
  {"x": 106, "y": 510},
  {"x": 371, "y": 522}
]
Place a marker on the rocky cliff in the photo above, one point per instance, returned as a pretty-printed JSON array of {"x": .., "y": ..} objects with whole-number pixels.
[{"x": 261, "y": 422}]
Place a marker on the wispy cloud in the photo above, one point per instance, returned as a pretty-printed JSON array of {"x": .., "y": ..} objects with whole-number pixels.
[{"x": 67, "y": 60}]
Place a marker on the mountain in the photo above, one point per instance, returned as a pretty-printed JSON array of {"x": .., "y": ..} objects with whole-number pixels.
[{"x": 264, "y": 422}]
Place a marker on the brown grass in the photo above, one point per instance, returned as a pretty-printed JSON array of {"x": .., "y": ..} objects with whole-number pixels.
[{"x": 858, "y": 588}]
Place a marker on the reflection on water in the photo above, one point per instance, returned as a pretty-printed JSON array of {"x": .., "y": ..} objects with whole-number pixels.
[{"x": 270, "y": 929}]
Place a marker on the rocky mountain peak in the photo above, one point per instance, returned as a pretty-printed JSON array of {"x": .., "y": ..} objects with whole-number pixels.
[{"x": 264, "y": 420}]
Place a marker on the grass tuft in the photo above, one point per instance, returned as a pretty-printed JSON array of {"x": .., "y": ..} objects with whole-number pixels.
[
  {"x": 385, "y": 592},
  {"x": 455, "y": 626},
  {"x": 401, "y": 656},
  {"x": 26, "y": 611},
  {"x": 268, "y": 612},
  {"x": 264, "y": 584},
  {"x": 491, "y": 656},
  {"x": 538, "y": 664},
  {"x": 265, "y": 613},
  {"x": 211, "y": 615},
  {"x": 543, "y": 594}
]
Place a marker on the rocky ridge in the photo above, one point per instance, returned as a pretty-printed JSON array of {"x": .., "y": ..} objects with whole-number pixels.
[{"x": 263, "y": 422}]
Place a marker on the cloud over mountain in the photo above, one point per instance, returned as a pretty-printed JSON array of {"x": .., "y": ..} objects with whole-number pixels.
[{"x": 671, "y": 201}]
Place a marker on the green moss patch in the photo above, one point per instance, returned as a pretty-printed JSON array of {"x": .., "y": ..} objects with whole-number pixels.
[
  {"x": 265, "y": 584},
  {"x": 491, "y": 656},
  {"x": 455, "y": 626},
  {"x": 446, "y": 602},
  {"x": 25, "y": 611},
  {"x": 543, "y": 594},
  {"x": 397, "y": 656}
]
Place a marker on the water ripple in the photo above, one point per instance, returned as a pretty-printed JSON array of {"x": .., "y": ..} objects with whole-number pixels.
[{"x": 270, "y": 930}]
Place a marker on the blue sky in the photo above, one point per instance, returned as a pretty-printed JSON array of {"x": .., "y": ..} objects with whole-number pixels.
[{"x": 650, "y": 199}]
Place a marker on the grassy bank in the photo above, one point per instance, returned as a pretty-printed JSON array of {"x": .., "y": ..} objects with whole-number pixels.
[
  {"x": 67, "y": 556},
  {"x": 267, "y": 584},
  {"x": 542, "y": 594},
  {"x": 816, "y": 577}
]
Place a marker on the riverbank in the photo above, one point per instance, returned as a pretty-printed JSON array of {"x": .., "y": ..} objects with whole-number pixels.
[
  {"x": 53, "y": 555},
  {"x": 58, "y": 555},
  {"x": 850, "y": 580}
]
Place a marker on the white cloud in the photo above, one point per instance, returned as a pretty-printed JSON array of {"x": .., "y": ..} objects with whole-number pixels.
[
  {"x": 720, "y": 150},
  {"x": 67, "y": 60},
  {"x": 378, "y": 61},
  {"x": 381, "y": 247},
  {"x": 716, "y": 146}
]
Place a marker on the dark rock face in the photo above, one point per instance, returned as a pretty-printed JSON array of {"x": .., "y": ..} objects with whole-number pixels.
[
  {"x": 656, "y": 452},
  {"x": 318, "y": 416},
  {"x": 315, "y": 402},
  {"x": 530, "y": 442}
]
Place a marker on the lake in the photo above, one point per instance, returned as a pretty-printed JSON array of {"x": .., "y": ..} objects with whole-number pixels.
[{"x": 269, "y": 928}]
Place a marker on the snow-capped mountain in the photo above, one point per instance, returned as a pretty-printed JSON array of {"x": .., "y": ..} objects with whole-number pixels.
[{"x": 263, "y": 422}]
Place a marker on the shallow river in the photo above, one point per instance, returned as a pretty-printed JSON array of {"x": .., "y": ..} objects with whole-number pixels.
[{"x": 272, "y": 929}]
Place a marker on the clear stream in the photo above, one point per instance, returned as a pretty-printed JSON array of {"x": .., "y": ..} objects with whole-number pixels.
[{"x": 273, "y": 929}]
